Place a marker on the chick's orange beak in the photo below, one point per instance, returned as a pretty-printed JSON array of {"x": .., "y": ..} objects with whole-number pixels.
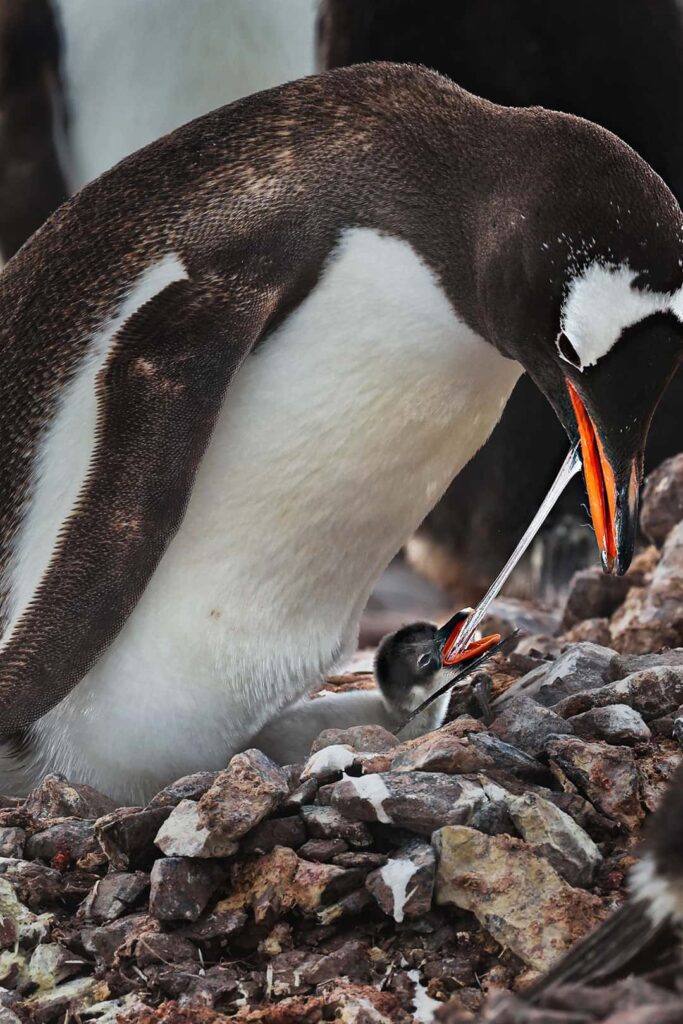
[{"x": 473, "y": 650}]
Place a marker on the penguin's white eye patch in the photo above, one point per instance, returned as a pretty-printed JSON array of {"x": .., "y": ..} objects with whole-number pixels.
[
  {"x": 567, "y": 351},
  {"x": 600, "y": 303}
]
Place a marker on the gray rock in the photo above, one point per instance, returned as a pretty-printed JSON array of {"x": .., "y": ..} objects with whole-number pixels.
[
  {"x": 190, "y": 787},
  {"x": 127, "y": 835},
  {"x": 556, "y": 837},
  {"x": 72, "y": 837},
  {"x": 509, "y": 613},
  {"x": 514, "y": 893},
  {"x": 8, "y": 1016},
  {"x": 13, "y": 969},
  {"x": 55, "y": 797},
  {"x": 652, "y": 617},
  {"x": 351, "y": 960},
  {"x": 403, "y": 887},
  {"x": 104, "y": 941},
  {"x": 538, "y": 646},
  {"x": 329, "y": 823},
  {"x": 442, "y": 752},
  {"x": 210, "y": 988},
  {"x": 184, "y": 835},
  {"x": 316, "y": 884},
  {"x": 221, "y": 922},
  {"x": 180, "y": 888},
  {"x": 12, "y": 841},
  {"x": 652, "y": 692},
  {"x": 615, "y": 723},
  {"x": 504, "y": 756},
  {"x": 329, "y": 762},
  {"x": 361, "y": 861},
  {"x": 274, "y": 832},
  {"x": 164, "y": 948},
  {"x": 249, "y": 789},
  {"x": 49, "y": 1005},
  {"x": 349, "y": 906},
  {"x": 303, "y": 794},
  {"x": 50, "y": 964},
  {"x": 493, "y": 817},
  {"x": 626, "y": 664},
  {"x": 419, "y": 801},
  {"x": 372, "y": 738},
  {"x": 322, "y": 850},
  {"x": 606, "y": 775},
  {"x": 113, "y": 896},
  {"x": 594, "y": 631},
  {"x": 662, "y": 502},
  {"x": 593, "y": 594},
  {"x": 527, "y": 725},
  {"x": 585, "y": 666},
  {"x": 17, "y": 923},
  {"x": 35, "y": 884}
]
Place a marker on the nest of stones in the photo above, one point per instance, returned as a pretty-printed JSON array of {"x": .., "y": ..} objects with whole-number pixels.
[{"x": 381, "y": 881}]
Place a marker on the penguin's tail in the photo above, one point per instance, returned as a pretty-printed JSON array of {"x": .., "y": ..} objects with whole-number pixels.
[{"x": 604, "y": 951}]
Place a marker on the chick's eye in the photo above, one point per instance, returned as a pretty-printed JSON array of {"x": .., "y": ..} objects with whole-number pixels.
[
  {"x": 424, "y": 660},
  {"x": 567, "y": 350}
]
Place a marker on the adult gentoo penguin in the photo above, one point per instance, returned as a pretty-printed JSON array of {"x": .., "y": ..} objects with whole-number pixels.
[
  {"x": 625, "y": 73},
  {"x": 239, "y": 368}
]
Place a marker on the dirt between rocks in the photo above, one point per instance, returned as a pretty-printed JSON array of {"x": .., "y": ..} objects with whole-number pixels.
[{"x": 429, "y": 881}]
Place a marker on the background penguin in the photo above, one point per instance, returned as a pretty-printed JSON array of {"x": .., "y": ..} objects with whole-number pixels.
[
  {"x": 32, "y": 180},
  {"x": 618, "y": 63},
  {"x": 84, "y": 83},
  {"x": 655, "y": 905},
  {"x": 240, "y": 367}
]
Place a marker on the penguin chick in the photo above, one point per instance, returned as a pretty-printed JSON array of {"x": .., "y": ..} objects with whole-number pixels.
[
  {"x": 288, "y": 737},
  {"x": 409, "y": 668},
  {"x": 655, "y": 904},
  {"x": 411, "y": 664}
]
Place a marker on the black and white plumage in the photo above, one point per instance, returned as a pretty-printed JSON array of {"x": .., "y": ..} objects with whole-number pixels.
[
  {"x": 239, "y": 368},
  {"x": 616, "y": 62}
]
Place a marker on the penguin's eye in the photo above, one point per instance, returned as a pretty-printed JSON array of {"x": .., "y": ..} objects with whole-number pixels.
[
  {"x": 424, "y": 661},
  {"x": 567, "y": 350}
]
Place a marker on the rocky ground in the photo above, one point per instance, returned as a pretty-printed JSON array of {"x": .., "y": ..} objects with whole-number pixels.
[{"x": 381, "y": 882}]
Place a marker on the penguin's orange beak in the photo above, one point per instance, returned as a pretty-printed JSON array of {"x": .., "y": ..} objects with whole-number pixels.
[{"x": 613, "y": 506}]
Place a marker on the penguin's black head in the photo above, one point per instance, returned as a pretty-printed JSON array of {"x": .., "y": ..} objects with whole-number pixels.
[
  {"x": 408, "y": 658},
  {"x": 410, "y": 662},
  {"x": 585, "y": 290},
  {"x": 608, "y": 407}
]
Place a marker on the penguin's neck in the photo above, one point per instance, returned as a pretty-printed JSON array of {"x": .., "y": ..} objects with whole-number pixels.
[{"x": 339, "y": 434}]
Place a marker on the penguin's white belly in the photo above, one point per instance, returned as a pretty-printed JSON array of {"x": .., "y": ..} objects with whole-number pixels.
[{"x": 338, "y": 435}]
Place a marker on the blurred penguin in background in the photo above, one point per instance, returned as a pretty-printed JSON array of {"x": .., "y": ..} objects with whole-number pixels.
[
  {"x": 616, "y": 62},
  {"x": 84, "y": 83}
]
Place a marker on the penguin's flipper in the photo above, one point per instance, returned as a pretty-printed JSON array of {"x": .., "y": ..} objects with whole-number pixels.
[
  {"x": 604, "y": 951},
  {"x": 159, "y": 395}
]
